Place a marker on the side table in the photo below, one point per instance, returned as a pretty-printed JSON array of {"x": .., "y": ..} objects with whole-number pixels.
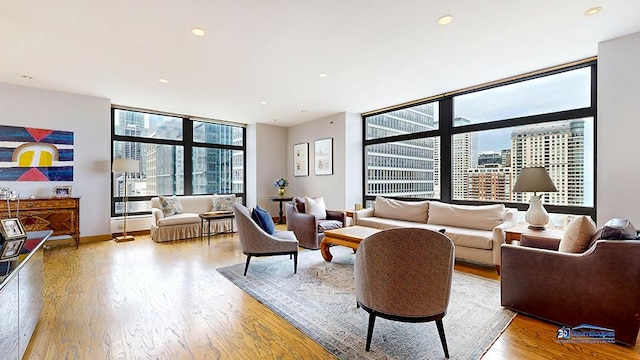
[
  {"x": 213, "y": 216},
  {"x": 280, "y": 200},
  {"x": 516, "y": 232}
]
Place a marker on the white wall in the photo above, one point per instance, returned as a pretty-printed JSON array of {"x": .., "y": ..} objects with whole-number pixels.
[
  {"x": 271, "y": 164},
  {"x": 343, "y": 188},
  {"x": 90, "y": 120},
  {"x": 618, "y": 172}
]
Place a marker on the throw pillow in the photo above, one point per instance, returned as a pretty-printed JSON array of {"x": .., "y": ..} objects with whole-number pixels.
[
  {"x": 481, "y": 217},
  {"x": 263, "y": 219},
  {"x": 223, "y": 202},
  {"x": 577, "y": 235},
  {"x": 170, "y": 205},
  {"x": 316, "y": 207}
]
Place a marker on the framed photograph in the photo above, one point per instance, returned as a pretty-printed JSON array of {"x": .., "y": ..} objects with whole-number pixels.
[
  {"x": 323, "y": 160},
  {"x": 61, "y": 191},
  {"x": 301, "y": 159},
  {"x": 4, "y": 193},
  {"x": 12, "y": 229},
  {"x": 11, "y": 248}
]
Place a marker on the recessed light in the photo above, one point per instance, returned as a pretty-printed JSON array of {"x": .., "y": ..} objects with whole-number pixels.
[
  {"x": 198, "y": 32},
  {"x": 322, "y": 75},
  {"x": 27, "y": 77},
  {"x": 164, "y": 81},
  {"x": 262, "y": 102},
  {"x": 303, "y": 111},
  {"x": 275, "y": 119},
  {"x": 592, "y": 11},
  {"x": 444, "y": 20}
]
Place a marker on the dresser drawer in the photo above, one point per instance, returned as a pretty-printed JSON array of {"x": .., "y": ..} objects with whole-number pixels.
[{"x": 45, "y": 204}]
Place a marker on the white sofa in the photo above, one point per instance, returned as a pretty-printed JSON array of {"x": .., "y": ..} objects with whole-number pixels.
[
  {"x": 476, "y": 231},
  {"x": 187, "y": 224}
]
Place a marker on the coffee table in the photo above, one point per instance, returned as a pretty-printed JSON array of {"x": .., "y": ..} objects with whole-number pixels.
[{"x": 349, "y": 236}]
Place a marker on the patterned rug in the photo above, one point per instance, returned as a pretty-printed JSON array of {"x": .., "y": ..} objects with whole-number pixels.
[{"x": 320, "y": 301}]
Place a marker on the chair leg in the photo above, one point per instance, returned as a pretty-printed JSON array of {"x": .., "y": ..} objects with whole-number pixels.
[
  {"x": 295, "y": 262},
  {"x": 246, "y": 267},
  {"x": 372, "y": 320},
  {"x": 442, "y": 337}
]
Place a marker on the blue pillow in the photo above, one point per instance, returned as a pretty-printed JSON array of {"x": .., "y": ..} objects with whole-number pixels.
[{"x": 263, "y": 219}]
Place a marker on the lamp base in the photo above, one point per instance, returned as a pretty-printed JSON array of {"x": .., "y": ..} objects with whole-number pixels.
[
  {"x": 124, "y": 238},
  {"x": 536, "y": 227}
]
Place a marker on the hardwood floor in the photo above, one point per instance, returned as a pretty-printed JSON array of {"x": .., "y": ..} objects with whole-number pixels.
[{"x": 144, "y": 300}]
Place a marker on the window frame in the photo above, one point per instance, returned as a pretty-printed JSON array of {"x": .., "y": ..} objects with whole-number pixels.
[
  {"x": 187, "y": 144},
  {"x": 446, "y": 132}
]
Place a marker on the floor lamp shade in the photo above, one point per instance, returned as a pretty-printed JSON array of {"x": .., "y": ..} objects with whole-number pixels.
[
  {"x": 535, "y": 180},
  {"x": 125, "y": 166}
]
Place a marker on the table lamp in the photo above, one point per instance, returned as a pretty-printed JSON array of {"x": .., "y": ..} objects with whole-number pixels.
[
  {"x": 535, "y": 180},
  {"x": 125, "y": 166}
]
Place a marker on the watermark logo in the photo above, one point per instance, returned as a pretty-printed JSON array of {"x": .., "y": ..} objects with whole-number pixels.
[{"x": 585, "y": 334}]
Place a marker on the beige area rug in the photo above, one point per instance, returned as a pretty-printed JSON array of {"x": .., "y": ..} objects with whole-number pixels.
[{"x": 320, "y": 301}]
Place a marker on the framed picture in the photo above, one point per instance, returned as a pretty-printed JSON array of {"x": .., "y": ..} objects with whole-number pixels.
[
  {"x": 61, "y": 191},
  {"x": 323, "y": 160},
  {"x": 11, "y": 248},
  {"x": 4, "y": 193},
  {"x": 301, "y": 159},
  {"x": 12, "y": 229}
]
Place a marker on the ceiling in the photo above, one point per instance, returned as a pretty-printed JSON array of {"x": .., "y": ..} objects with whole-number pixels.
[{"x": 376, "y": 53}]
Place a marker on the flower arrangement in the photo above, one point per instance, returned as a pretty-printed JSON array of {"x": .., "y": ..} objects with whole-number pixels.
[{"x": 281, "y": 183}]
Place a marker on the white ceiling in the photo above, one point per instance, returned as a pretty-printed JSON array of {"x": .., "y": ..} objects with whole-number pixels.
[{"x": 376, "y": 52}]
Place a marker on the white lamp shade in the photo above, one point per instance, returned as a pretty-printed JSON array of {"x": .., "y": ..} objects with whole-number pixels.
[
  {"x": 534, "y": 179},
  {"x": 126, "y": 166}
]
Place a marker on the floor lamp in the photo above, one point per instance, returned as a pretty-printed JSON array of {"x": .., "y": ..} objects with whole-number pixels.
[{"x": 125, "y": 166}]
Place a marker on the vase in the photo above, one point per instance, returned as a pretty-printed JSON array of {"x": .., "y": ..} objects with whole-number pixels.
[{"x": 281, "y": 192}]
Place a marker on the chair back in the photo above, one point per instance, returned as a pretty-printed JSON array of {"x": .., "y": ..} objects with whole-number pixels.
[
  {"x": 405, "y": 272},
  {"x": 248, "y": 231}
]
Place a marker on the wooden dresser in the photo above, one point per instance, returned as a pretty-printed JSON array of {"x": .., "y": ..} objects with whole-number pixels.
[{"x": 61, "y": 215}]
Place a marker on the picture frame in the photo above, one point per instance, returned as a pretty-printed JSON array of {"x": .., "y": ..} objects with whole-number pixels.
[
  {"x": 11, "y": 248},
  {"x": 301, "y": 159},
  {"x": 12, "y": 228},
  {"x": 323, "y": 156},
  {"x": 4, "y": 193},
  {"x": 62, "y": 191}
]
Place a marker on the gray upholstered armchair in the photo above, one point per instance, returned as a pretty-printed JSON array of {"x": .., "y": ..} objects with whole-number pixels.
[
  {"x": 405, "y": 274},
  {"x": 256, "y": 242},
  {"x": 308, "y": 229}
]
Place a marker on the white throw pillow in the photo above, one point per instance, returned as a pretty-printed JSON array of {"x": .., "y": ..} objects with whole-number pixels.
[
  {"x": 315, "y": 207},
  {"x": 223, "y": 202},
  {"x": 577, "y": 235}
]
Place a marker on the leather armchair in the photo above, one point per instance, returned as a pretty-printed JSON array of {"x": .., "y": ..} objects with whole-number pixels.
[
  {"x": 599, "y": 287},
  {"x": 308, "y": 229}
]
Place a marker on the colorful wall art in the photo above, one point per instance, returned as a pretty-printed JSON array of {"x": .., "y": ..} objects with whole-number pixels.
[{"x": 29, "y": 154}]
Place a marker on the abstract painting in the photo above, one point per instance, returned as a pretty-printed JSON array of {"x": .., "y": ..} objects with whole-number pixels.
[{"x": 30, "y": 154}]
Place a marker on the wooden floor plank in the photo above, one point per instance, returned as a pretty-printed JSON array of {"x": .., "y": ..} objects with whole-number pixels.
[{"x": 142, "y": 299}]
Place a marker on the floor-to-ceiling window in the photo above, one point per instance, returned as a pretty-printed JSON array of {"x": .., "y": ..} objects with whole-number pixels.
[
  {"x": 177, "y": 156},
  {"x": 469, "y": 147}
]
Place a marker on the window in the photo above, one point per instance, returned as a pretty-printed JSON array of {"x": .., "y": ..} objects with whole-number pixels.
[
  {"x": 211, "y": 159},
  {"x": 470, "y": 147}
]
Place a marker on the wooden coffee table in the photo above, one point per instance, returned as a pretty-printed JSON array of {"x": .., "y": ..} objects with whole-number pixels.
[{"x": 348, "y": 236}]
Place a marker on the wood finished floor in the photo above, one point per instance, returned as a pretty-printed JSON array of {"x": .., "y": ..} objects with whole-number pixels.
[{"x": 143, "y": 300}]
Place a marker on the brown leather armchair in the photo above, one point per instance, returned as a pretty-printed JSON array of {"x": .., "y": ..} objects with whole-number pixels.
[
  {"x": 308, "y": 229},
  {"x": 600, "y": 287}
]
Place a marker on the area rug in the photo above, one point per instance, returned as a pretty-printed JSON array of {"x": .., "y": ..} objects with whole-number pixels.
[{"x": 319, "y": 300}]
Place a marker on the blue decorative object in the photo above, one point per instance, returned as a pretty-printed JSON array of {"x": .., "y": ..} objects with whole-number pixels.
[{"x": 263, "y": 219}]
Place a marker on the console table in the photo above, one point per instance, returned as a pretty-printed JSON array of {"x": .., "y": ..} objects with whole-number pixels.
[{"x": 61, "y": 215}]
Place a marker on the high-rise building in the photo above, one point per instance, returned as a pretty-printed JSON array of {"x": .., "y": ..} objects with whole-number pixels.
[
  {"x": 464, "y": 156},
  {"x": 489, "y": 157},
  {"x": 403, "y": 168},
  {"x": 490, "y": 182},
  {"x": 559, "y": 147}
]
